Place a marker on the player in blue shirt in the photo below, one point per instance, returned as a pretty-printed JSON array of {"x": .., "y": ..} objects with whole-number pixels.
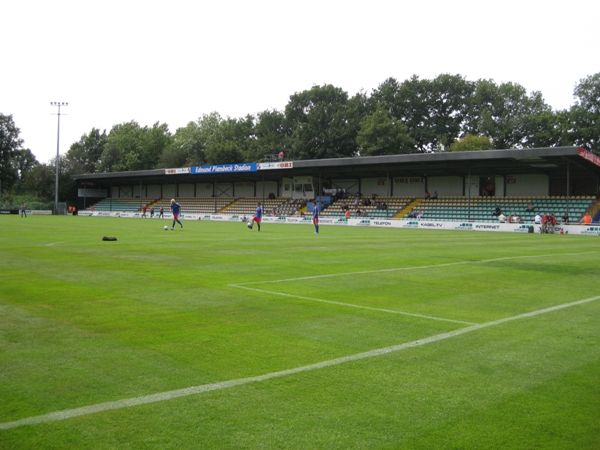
[
  {"x": 315, "y": 217},
  {"x": 175, "y": 209},
  {"x": 257, "y": 217}
]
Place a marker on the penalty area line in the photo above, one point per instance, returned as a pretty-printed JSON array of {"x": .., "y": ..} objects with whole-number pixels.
[
  {"x": 351, "y": 305},
  {"x": 169, "y": 395}
]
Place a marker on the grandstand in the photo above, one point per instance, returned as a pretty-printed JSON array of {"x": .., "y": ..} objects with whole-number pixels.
[{"x": 445, "y": 209}]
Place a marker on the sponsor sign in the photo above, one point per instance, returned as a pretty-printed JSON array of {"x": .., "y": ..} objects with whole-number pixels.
[
  {"x": 467, "y": 226},
  {"x": 431, "y": 225},
  {"x": 485, "y": 226},
  {"x": 411, "y": 224},
  {"x": 224, "y": 168},
  {"x": 275, "y": 165},
  {"x": 593, "y": 231},
  {"x": 180, "y": 170},
  {"x": 522, "y": 229},
  {"x": 339, "y": 221},
  {"x": 589, "y": 156},
  {"x": 9, "y": 211},
  {"x": 382, "y": 223},
  {"x": 98, "y": 193}
]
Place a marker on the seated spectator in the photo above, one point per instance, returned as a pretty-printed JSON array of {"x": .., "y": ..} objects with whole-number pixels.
[
  {"x": 516, "y": 218},
  {"x": 530, "y": 207},
  {"x": 359, "y": 213},
  {"x": 347, "y": 214},
  {"x": 538, "y": 219},
  {"x": 366, "y": 202},
  {"x": 412, "y": 214},
  {"x": 501, "y": 218},
  {"x": 427, "y": 196},
  {"x": 384, "y": 206},
  {"x": 510, "y": 218},
  {"x": 434, "y": 196},
  {"x": 565, "y": 218},
  {"x": 497, "y": 211},
  {"x": 421, "y": 214},
  {"x": 345, "y": 206}
]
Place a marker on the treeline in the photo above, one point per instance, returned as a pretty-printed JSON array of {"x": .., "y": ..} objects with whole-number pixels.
[{"x": 447, "y": 113}]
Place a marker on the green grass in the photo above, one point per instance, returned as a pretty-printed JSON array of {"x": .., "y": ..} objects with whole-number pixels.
[{"x": 84, "y": 322}]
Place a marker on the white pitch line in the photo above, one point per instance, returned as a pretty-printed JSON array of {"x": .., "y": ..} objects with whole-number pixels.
[
  {"x": 163, "y": 396},
  {"x": 398, "y": 269},
  {"x": 351, "y": 305}
]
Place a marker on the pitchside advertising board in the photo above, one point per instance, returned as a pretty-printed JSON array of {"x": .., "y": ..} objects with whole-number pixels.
[{"x": 588, "y": 230}]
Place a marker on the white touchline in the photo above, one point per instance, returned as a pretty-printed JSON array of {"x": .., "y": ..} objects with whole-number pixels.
[
  {"x": 162, "y": 396},
  {"x": 398, "y": 269},
  {"x": 350, "y": 305}
]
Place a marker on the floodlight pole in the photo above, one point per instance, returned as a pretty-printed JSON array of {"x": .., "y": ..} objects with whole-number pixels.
[{"x": 58, "y": 104}]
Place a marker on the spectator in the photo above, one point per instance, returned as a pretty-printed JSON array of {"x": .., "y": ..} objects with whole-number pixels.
[
  {"x": 412, "y": 214},
  {"x": 586, "y": 219},
  {"x": 530, "y": 207},
  {"x": 356, "y": 201},
  {"x": 347, "y": 213},
  {"x": 421, "y": 214},
  {"x": 345, "y": 206},
  {"x": 551, "y": 223},
  {"x": 545, "y": 223},
  {"x": 501, "y": 218},
  {"x": 358, "y": 213},
  {"x": 434, "y": 196},
  {"x": 497, "y": 211},
  {"x": 427, "y": 196},
  {"x": 384, "y": 206},
  {"x": 565, "y": 218},
  {"x": 538, "y": 219}
]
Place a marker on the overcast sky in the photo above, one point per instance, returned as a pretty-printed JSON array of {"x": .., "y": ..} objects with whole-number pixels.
[{"x": 173, "y": 61}]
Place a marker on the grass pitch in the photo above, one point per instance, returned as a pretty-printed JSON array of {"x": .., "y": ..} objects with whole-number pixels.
[{"x": 354, "y": 338}]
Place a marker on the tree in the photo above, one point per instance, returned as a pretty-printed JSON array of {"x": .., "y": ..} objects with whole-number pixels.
[
  {"x": 503, "y": 112},
  {"x": 321, "y": 123},
  {"x": 585, "y": 113},
  {"x": 22, "y": 162},
  {"x": 10, "y": 142},
  {"x": 381, "y": 134},
  {"x": 471, "y": 142},
  {"x": 130, "y": 147},
  {"x": 84, "y": 156},
  {"x": 269, "y": 132},
  {"x": 434, "y": 111}
]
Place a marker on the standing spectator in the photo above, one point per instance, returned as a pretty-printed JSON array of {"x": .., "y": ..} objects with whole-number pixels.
[
  {"x": 175, "y": 209},
  {"x": 315, "y": 217},
  {"x": 551, "y": 223},
  {"x": 538, "y": 219},
  {"x": 545, "y": 223},
  {"x": 257, "y": 217},
  {"x": 23, "y": 211},
  {"x": 586, "y": 219},
  {"x": 347, "y": 213}
]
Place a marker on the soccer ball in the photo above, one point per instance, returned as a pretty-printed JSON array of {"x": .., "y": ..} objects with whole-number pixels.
[{"x": 166, "y": 228}]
